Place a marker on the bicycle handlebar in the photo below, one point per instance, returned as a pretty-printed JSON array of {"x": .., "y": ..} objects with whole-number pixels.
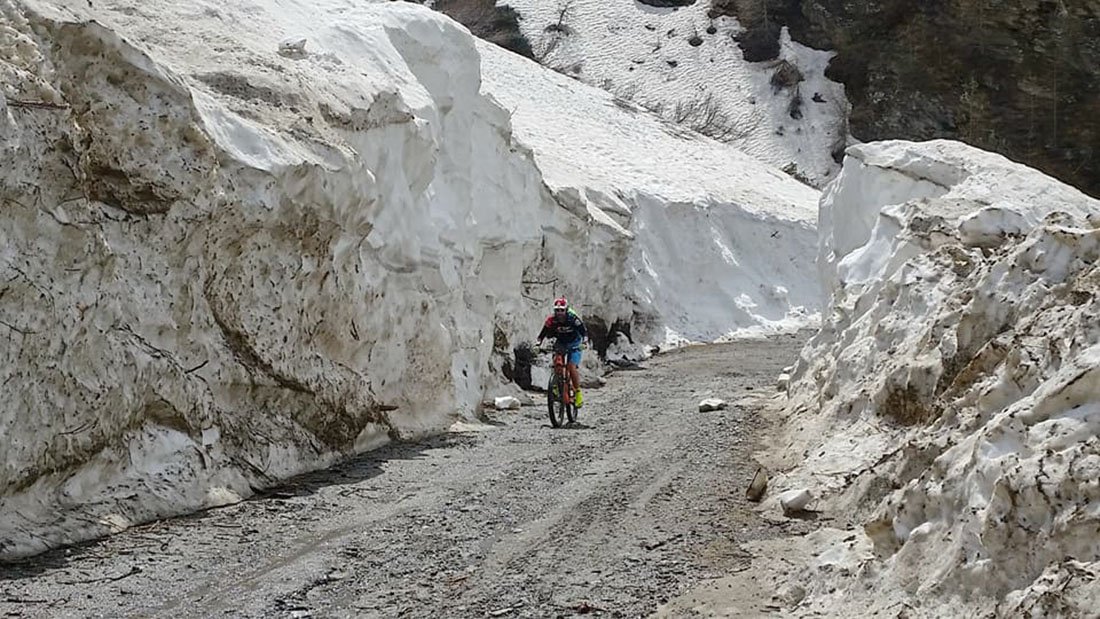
[{"x": 552, "y": 345}]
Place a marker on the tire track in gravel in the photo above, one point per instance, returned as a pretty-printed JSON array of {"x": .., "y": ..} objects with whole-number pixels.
[{"x": 639, "y": 504}]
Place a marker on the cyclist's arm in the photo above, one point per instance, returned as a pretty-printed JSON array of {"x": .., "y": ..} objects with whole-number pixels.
[
  {"x": 581, "y": 330},
  {"x": 545, "y": 333}
]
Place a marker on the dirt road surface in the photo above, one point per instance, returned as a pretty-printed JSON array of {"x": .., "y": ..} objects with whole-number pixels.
[{"x": 639, "y": 503}]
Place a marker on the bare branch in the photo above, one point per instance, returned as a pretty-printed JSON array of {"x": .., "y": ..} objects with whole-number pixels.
[{"x": 36, "y": 105}]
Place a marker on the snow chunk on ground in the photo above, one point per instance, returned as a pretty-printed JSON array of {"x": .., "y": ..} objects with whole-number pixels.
[
  {"x": 951, "y": 402},
  {"x": 506, "y": 402},
  {"x": 711, "y": 404},
  {"x": 793, "y": 501}
]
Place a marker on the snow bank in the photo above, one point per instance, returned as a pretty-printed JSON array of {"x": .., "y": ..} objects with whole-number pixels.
[
  {"x": 689, "y": 66},
  {"x": 951, "y": 401},
  {"x": 241, "y": 240},
  {"x": 224, "y": 266}
]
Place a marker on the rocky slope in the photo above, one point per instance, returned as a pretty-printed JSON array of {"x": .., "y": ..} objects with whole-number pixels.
[
  {"x": 682, "y": 62},
  {"x": 1021, "y": 78}
]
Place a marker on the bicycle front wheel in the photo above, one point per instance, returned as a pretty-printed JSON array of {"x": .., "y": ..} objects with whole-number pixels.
[{"x": 555, "y": 402}]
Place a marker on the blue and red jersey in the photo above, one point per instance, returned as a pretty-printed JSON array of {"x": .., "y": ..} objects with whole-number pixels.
[{"x": 568, "y": 329}]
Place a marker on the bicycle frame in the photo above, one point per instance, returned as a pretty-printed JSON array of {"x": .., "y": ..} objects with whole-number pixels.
[
  {"x": 562, "y": 372},
  {"x": 565, "y": 393}
]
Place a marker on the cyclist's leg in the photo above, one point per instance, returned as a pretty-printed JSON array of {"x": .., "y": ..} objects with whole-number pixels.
[{"x": 574, "y": 371}]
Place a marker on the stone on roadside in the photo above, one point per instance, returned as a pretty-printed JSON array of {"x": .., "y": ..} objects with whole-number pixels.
[
  {"x": 758, "y": 486},
  {"x": 506, "y": 403},
  {"x": 791, "y": 594},
  {"x": 711, "y": 404},
  {"x": 593, "y": 382}
]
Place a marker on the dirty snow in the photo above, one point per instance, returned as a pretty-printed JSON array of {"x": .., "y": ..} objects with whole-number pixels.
[{"x": 950, "y": 406}]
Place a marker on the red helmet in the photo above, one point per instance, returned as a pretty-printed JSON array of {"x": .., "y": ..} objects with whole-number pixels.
[{"x": 561, "y": 304}]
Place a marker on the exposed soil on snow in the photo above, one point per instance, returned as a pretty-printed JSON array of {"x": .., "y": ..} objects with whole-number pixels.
[{"x": 639, "y": 503}]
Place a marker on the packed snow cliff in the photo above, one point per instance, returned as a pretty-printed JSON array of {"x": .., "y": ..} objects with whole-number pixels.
[
  {"x": 951, "y": 402},
  {"x": 240, "y": 240},
  {"x": 704, "y": 215}
]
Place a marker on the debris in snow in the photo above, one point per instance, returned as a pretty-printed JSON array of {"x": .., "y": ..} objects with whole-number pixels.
[
  {"x": 500, "y": 612},
  {"x": 791, "y": 594},
  {"x": 794, "y": 501},
  {"x": 712, "y": 404},
  {"x": 506, "y": 403},
  {"x": 786, "y": 75}
]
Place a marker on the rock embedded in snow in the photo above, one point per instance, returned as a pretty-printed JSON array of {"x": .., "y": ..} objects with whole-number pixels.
[
  {"x": 712, "y": 404},
  {"x": 507, "y": 402},
  {"x": 794, "y": 501}
]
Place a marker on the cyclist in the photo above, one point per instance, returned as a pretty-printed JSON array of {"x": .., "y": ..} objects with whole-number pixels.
[{"x": 567, "y": 329}]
